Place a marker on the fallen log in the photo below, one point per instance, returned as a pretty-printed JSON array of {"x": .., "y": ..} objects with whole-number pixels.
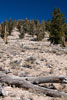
[
  {"x": 37, "y": 80},
  {"x": 13, "y": 80},
  {"x": 40, "y": 80},
  {"x": 49, "y": 79}
]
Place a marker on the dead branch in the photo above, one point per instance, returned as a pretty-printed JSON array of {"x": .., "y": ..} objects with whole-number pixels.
[
  {"x": 49, "y": 79},
  {"x": 21, "y": 82}
]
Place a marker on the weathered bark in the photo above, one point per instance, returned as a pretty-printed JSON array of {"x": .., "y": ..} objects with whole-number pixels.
[
  {"x": 21, "y": 82},
  {"x": 49, "y": 79},
  {"x": 36, "y": 80}
]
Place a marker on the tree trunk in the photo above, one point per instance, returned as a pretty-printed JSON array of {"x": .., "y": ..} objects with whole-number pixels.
[
  {"x": 49, "y": 79},
  {"x": 21, "y": 82}
]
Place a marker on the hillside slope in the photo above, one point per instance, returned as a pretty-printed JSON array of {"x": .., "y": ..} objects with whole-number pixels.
[{"x": 26, "y": 57}]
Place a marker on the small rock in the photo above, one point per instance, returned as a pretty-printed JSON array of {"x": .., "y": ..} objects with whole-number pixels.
[
  {"x": 27, "y": 66},
  {"x": 51, "y": 86},
  {"x": 48, "y": 65},
  {"x": 31, "y": 59}
]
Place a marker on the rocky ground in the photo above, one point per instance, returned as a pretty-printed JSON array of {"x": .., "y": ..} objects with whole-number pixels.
[{"x": 26, "y": 57}]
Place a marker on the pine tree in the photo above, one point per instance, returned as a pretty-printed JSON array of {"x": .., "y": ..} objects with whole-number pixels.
[
  {"x": 21, "y": 32},
  {"x": 37, "y": 29},
  {"x": 66, "y": 33},
  {"x": 41, "y": 33},
  {"x": 26, "y": 26},
  {"x": 14, "y": 24},
  {"x": 5, "y": 31},
  {"x": 57, "y": 27},
  {"x": 48, "y": 25},
  {"x": 2, "y": 30},
  {"x": 43, "y": 25},
  {"x": 31, "y": 30},
  {"x": 10, "y": 27}
]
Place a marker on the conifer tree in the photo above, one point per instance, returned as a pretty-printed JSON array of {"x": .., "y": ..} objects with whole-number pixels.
[
  {"x": 48, "y": 25},
  {"x": 43, "y": 25},
  {"x": 26, "y": 26},
  {"x": 40, "y": 30},
  {"x": 5, "y": 31},
  {"x": 41, "y": 33},
  {"x": 14, "y": 24},
  {"x": 57, "y": 34},
  {"x": 66, "y": 33},
  {"x": 31, "y": 31},
  {"x": 10, "y": 27},
  {"x": 21, "y": 32},
  {"x": 2, "y": 30}
]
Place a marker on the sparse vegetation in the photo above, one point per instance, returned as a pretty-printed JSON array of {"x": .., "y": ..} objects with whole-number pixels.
[
  {"x": 57, "y": 28},
  {"x": 32, "y": 27}
]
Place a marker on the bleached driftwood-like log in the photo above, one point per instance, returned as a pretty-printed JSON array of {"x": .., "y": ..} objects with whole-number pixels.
[
  {"x": 21, "y": 82},
  {"x": 37, "y": 80},
  {"x": 49, "y": 79}
]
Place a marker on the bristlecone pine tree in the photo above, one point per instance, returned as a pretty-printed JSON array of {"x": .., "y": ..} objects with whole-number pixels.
[
  {"x": 10, "y": 27},
  {"x": 40, "y": 30},
  {"x": 57, "y": 35},
  {"x": 5, "y": 31},
  {"x": 2, "y": 30},
  {"x": 21, "y": 32},
  {"x": 26, "y": 26},
  {"x": 32, "y": 26},
  {"x": 20, "y": 28},
  {"x": 48, "y": 25},
  {"x": 66, "y": 33},
  {"x": 14, "y": 24}
]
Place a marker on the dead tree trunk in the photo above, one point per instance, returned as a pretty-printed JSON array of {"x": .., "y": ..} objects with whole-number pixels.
[
  {"x": 21, "y": 82},
  {"x": 49, "y": 79}
]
